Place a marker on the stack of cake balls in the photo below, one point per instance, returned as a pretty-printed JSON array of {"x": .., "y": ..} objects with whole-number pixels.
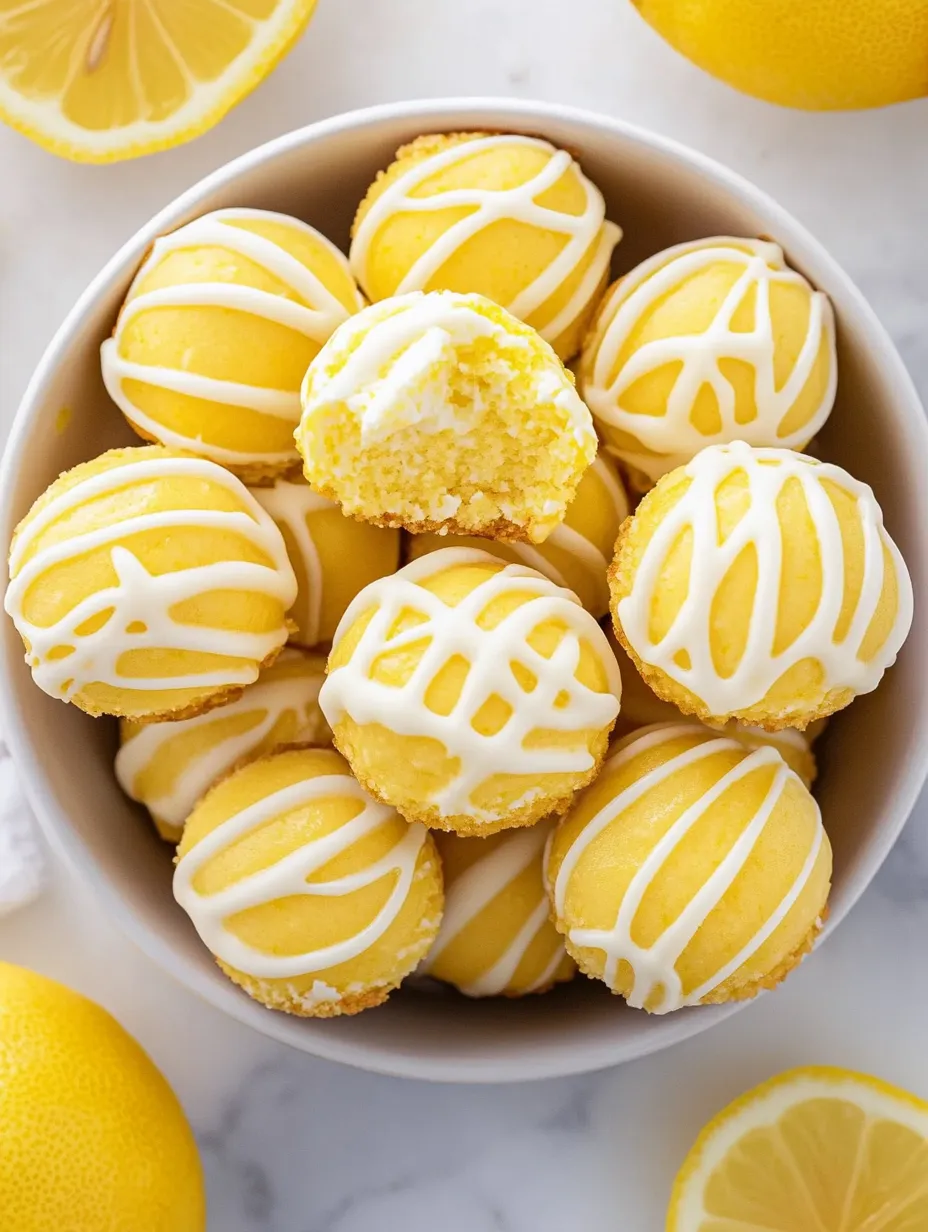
[{"x": 377, "y": 512}]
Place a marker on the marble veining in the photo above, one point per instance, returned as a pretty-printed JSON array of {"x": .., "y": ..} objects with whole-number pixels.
[{"x": 293, "y": 1144}]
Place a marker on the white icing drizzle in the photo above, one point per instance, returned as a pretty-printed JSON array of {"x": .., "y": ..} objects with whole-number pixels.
[
  {"x": 767, "y": 471},
  {"x": 398, "y": 358},
  {"x": 316, "y": 321},
  {"x": 672, "y": 436},
  {"x": 290, "y": 504},
  {"x": 655, "y": 967},
  {"x": 275, "y": 697},
  {"x": 350, "y": 690},
  {"x": 143, "y": 601},
  {"x": 287, "y": 877},
  {"x": 489, "y": 206},
  {"x": 482, "y": 882}
]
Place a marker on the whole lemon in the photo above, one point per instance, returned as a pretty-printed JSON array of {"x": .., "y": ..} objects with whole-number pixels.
[
  {"x": 821, "y": 55},
  {"x": 92, "y": 1138}
]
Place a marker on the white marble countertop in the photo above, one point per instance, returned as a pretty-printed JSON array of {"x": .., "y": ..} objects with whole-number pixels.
[{"x": 292, "y": 1144}]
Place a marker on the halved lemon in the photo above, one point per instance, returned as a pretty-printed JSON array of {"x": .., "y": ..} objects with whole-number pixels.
[
  {"x": 814, "y": 1150},
  {"x": 101, "y": 80}
]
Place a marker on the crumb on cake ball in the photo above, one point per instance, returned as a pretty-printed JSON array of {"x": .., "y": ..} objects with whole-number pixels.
[
  {"x": 760, "y": 585},
  {"x": 168, "y": 767},
  {"x": 711, "y": 341},
  {"x": 577, "y": 553},
  {"x": 217, "y": 330},
  {"x": 508, "y": 216},
  {"x": 311, "y": 896},
  {"x": 148, "y": 583},
  {"x": 497, "y": 939},
  {"x": 470, "y": 694},
  {"x": 332, "y": 556},
  {"x": 692, "y": 871},
  {"x": 442, "y": 412}
]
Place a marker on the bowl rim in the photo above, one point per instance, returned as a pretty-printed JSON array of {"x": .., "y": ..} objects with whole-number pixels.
[{"x": 54, "y": 821}]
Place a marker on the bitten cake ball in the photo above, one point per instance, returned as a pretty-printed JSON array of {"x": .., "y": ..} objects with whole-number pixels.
[
  {"x": 577, "y": 553},
  {"x": 510, "y": 217},
  {"x": 168, "y": 767},
  {"x": 496, "y": 938},
  {"x": 760, "y": 584},
  {"x": 711, "y": 341},
  {"x": 472, "y": 695},
  {"x": 312, "y": 897},
  {"x": 693, "y": 870},
  {"x": 149, "y": 584},
  {"x": 333, "y": 557},
  {"x": 218, "y": 328},
  {"x": 443, "y": 412}
]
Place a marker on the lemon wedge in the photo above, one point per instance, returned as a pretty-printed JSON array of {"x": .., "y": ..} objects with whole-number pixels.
[
  {"x": 101, "y": 80},
  {"x": 814, "y": 1150}
]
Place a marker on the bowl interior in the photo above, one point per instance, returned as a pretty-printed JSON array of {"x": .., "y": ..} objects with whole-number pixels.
[{"x": 873, "y": 755}]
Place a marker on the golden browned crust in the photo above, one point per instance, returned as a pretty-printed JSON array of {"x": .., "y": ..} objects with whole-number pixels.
[
  {"x": 722, "y": 995},
  {"x": 773, "y": 978},
  {"x": 620, "y": 575},
  {"x": 471, "y": 827},
  {"x": 273, "y": 998},
  {"x": 501, "y": 529}
]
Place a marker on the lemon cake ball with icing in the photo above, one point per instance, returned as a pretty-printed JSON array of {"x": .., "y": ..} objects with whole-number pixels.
[
  {"x": 496, "y": 938},
  {"x": 761, "y": 585},
  {"x": 333, "y": 557},
  {"x": 508, "y": 216},
  {"x": 708, "y": 342},
  {"x": 442, "y": 412},
  {"x": 693, "y": 870},
  {"x": 577, "y": 553},
  {"x": 168, "y": 767},
  {"x": 218, "y": 328},
  {"x": 148, "y": 583},
  {"x": 313, "y": 898},
  {"x": 472, "y": 695}
]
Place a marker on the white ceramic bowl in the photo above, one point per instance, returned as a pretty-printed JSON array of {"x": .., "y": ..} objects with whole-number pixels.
[{"x": 875, "y": 754}]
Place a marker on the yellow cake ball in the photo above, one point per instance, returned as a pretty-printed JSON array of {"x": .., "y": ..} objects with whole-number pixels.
[
  {"x": 761, "y": 585},
  {"x": 169, "y": 766},
  {"x": 577, "y": 553},
  {"x": 443, "y": 412},
  {"x": 218, "y": 328},
  {"x": 148, "y": 583},
  {"x": 333, "y": 557},
  {"x": 508, "y": 216},
  {"x": 496, "y": 938},
  {"x": 708, "y": 342},
  {"x": 693, "y": 870},
  {"x": 470, "y": 694},
  {"x": 312, "y": 897}
]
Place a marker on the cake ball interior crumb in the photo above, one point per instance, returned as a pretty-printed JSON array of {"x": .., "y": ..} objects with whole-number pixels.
[{"x": 442, "y": 412}]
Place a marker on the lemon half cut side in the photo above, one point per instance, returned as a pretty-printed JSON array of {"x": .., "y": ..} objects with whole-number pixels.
[
  {"x": 103, "y": 80},
  {"x": 814, "y": 1150}
]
